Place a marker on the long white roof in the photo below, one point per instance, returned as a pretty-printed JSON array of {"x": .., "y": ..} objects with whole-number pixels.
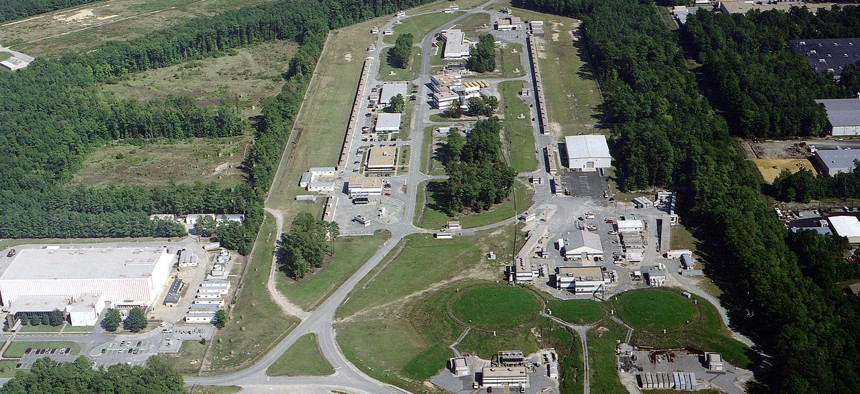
[
  {"x": 586, "y": 146},
  {"x": 85, "y": 263},
  {"x": 388, "y": 122},
  {"x": 845, "y": 226},
  {"x": 392, "y": 89}
]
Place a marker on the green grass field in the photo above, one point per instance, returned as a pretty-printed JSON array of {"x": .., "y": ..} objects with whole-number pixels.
[
  {"x": 419, "y": 26},
  {"x": 17, "y": 348},
  {"x": 518, "y": 134},
  {"x": 5, "y": 55},
  {"x": 246, "y": 75},
  {"x": 571, "y": 92},
  {"x": 189, "y": 359},
  {"x": 86, "y": 27},
  {"x": 687, "y": 325},
  {"x": 472, "y": 23},
  {"x": 255, "y": 323},
  {"x": 214, "y": 389},
  {"x": 302, "y": 359},
  {"x": 430, "y": 154},
  {"x": 400, "y": 74},
  {"x": 350, "y": 253},
  {"x": 577, "y": 311},
  {"x": 601, "y": 353},
  {"x": 432, "y": 216},
  {"x": 47, "y": 329},
  {"x": 160, "y": 162},
  {"x": 496, "y": 307}
]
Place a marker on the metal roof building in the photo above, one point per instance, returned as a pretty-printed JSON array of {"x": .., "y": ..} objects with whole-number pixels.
[
  {"x": 832, "y": 162},
  {"x": 124, "y": 276},
  {"x": 583, "y": 245},
  {"x": 456, "y": 46},
  {"x": 843, "y": 115},
  {"x": 846, "y": 226},
  {"x": 386, "y": 123},
  {"x": 587, "y": 152}
]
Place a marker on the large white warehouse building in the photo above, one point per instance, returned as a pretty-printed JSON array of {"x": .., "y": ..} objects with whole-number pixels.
[
  {"x": 587, "y": 152},
  {"x": 121, "y": 277}
]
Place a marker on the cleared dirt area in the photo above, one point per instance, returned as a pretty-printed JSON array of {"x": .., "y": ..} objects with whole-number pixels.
[
  {"x": 159, "y": 163},
  {"x": 246, "y": 75},
  {"x": 85, "y": 27},
  {"x": 771, "y": 168},
  {"x": 776, "y": 149}
]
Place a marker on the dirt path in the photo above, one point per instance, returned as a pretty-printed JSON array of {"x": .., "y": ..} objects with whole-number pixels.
[{"x": 285, "y": 304}]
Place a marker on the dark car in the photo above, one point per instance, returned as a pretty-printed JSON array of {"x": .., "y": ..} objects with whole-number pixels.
[
  {"x": 130, "y": 350},
  {"x": 29, "y": 349},
  {"x": 138, "y": 343}
]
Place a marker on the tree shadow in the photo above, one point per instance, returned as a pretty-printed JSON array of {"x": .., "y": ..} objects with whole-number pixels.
[{"x": 437, "y": 196}]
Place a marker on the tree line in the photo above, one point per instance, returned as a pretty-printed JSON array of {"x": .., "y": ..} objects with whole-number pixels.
[
  {"x": 17, "y": 9},
  {"x": 804, "y": 185},
  {"x": 80, "y": 376},
  {"x": 400, "y": 54},
  {"x": 764, "y": 89},
  {"x": 477, "y": 176},
  {"x": 482, "y": 57},
  {"x": 666, "y": 134},
  {"x": 55, "y": 114}
]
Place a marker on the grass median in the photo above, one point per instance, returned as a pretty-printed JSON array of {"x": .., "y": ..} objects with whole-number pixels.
[
  {"x": 302, "y": 359},
  {"x": 431, "y": 215},
  {"x": 519, "y": 138}
]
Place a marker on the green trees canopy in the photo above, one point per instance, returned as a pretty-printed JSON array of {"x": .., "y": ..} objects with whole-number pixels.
[
  {"x": 482, "y": 57},
  {"x": 396, "y": 105},
  {"x": 304, "y": 247},
  {"x": 112, "y": 320},
  {"x": 135, "y": 321},
  {"x": 477, "y": 178},
  {"x": 11, "y": 10},
  {"x": 399, "y": 55},
  {"x": 46, "y": 376}
]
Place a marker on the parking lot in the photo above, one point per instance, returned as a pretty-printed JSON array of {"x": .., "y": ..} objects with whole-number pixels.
[{"x": 585, "y": 184}]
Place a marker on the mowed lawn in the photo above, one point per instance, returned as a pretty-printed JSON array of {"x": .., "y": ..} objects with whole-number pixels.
[
  {"x": 302, "y": 359},
  {"x": 349, "y": 254},
  {"x": 86, "y": 27},
  {"x": 160, "y": 162},
  {"x": 577, "y": 311},
  {"x": 602, "y": 340},
  {"x": 399, "y": 74},
  {"x": 496, "y": 307},
  {"x": 420, "y": 25},
  {"x": 189, "y": 359},
  {"x": 518, "y": 134},
  {"x": 255, "y": 322},
  {"x": 246, "y": 75},
  {"x": 432, "y": 214},
  {"x": 687, "y": 324},
  {"x": 572, "y": 94}
]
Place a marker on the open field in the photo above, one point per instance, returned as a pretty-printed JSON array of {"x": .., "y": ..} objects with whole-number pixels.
[
  {"x": 157, "y": 163},
  {"x": 771, "y": 168},
  {"x": 214, "y": 389},
  {"x": 419, "y": 26},
  {"x": 571, "y": 92},
  {"x": 302, "y": 359},
  {"x": 7, "y": 368},
  {"x": 86, "y": 27},
  {"x": 496, "y": 307},
  {"x": 601, "y": 353},
  {"x": 17, "y": 348},
  {"x": 349, "y": 254},
  {"x": 255, "y": 322},
  {"x": 246, "y": 75},
  {"x": 431, "y": 154},
  {"x": 432, "y": 214},
  {"x": 400, "y": 74},
  {"x": 321, "y": 125},
  {"x": 577, "y": 311},
  {"x": 189, "y": 359},
  {"x": 682, "y": 238},
  {"x": 472, "y": 23},
  {"x": 508, "y": 61},
  {"x": 518, "y": 134},
  {"x": 686, "y": 324}
]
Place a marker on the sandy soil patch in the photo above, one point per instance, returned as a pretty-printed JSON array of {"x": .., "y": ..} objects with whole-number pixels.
[
  {"x": 347, "y": 57},
  {"x": 770, "y": 168},
  {"x": 76, "y": 17}
]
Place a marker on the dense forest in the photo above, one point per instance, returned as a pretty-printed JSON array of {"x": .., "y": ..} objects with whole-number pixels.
[
  {"x": 46, "y": 376},
  {"x": 17, "y": 9},
  {"x": 304, "y": 247},
  {"x": 55, "y": 114},
  {"x": 477, "y": 177},
  {"x": 763, "y": 89},
  {"x": 669, "y": 136}
]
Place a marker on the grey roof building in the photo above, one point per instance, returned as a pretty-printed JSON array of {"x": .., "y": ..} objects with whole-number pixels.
[
  {"x": 832, "y": 162},
  {"x": 843, "y": 115}
]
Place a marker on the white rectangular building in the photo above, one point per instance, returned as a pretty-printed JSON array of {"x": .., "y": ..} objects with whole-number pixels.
[
  {"x": 391, "y": 89},
  {"x": 630, "y": 225},
  {"x": 504, "y": 377},
  {"x": 362, "y": 186},
  {"x": 124, "y": 276},
  {"x": 834, "y": 161},
  {"x": 388, "y": 123},
  {"x": 587, "y": 152},
  {"x": 581, "y": 279},
  {"x": 456, "y": 46},
  {"x": 843, "y": 115},
  {"x": 846, "y": 226}
]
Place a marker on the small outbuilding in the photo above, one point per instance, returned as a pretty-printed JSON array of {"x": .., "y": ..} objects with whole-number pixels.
[{"x": 388, "y": 123}]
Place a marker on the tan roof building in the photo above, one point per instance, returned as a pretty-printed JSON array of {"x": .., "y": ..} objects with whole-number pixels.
[{"x": 383, "y": 158}]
